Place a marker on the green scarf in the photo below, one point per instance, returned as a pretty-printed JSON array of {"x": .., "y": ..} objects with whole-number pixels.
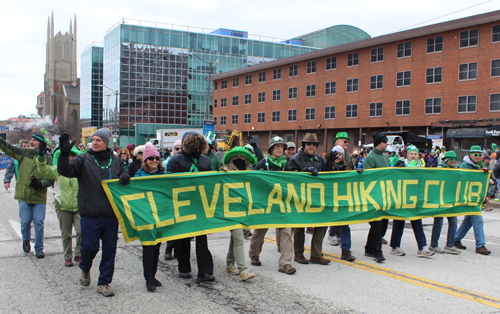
[
  {"x": 279, "y": 162},
  {"x": 193, "y": 165}
]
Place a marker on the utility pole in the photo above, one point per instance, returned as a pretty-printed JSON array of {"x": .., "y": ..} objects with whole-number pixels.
[{"x": 210, "y": 68}]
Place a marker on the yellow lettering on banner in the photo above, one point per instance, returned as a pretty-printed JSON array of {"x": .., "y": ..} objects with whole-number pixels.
[
  {"x": 384, "y": 200},
  {"x": 457, "y": 195},
  {"x": 392, "y": 193},
  {"x": 159, "y": 223},
  {"x": 441, "y": 198},
  {"x": 321, "y": 187},
  {"x": 426, "y": 193},
  {"x": 252, "y": 211},
  {"x": 231, "y": 200},
  {"x": 365, "y": 196},
  {"x": 128, "y": 212},
  {"x": 209, "y": 210},
  {"x": 337, "y": 197},
  {"x": 178, "y": 204},
  {"x": 413, "y": 198},
  {"x": 299, "y": 202},
  {"x": 356, "y": 198},
  {"x": 475, "y": 194},
  {"x": 272, "y": 200}
]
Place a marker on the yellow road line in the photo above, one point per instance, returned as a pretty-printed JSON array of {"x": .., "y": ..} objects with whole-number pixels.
[{"x": 419, "y": 281}]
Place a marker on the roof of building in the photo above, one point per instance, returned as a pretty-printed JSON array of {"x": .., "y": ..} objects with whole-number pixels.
[
  {"x": 41, "y": 94},
  {"x": 73, "y": 92},
  {"x": 380, "y": 40}
]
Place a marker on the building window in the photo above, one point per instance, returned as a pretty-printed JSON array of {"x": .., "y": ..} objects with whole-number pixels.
[
  {"x": 248, "y": 99},
  {"x": 223, "y": 84},
  {"x": 377, "y": 82},
  {"x": 277, "y": 95},
  {"x": 377, "y": 54},
  {"x": 329, "y": 112},
  {"x": 434, "y": 75},
  {"x": 435, "y": 44},
  {"x": 215, "y": 103},
  {"x": 276, "y": 116},
  {"x": 352, "y": 59},
  {"x": 403, "y": 107},
  {"x": 293, "y": 70},
  {"x": 236, "y": 100},
  {"x": 375, "y": 109},
  {"x": 236, "y": 81},
  {"x": 262, "y": 77},
  {"x": 261, "y": 117},
  {"x": 215, "y": 120},
  {"x": 330, "y": 88},
  {"x": 495, "y": 67},
  {"x": 223, "y": 120},
  {"x": 433, "y": 106},
  {"x": 248, "y": 79},
  {"x": 310, "y": 114},
  {"x": 495, "y": 36},
  {"x": 494, "y": 102},
  {"x": 234, "y": 119},
  {"x": 311, "y": 90},
  {"x": 311, "y": 67},
  {"x": 277, "y": 74},
  {"x": 467, "y": 71},
  {"x": 351, "y": 111},
  {"x": 215, "y": 85},
  {"x": 248, "y": 118},
  {"x": 292, "y": 115},
  {"x": 331, "y": 63},
  {"x": 261, "y": 97},
  {"x": 352, "y": 85},
  {"x": 469, "y": 38},
  {"x": 223, "y": 103},
  {"x": 403, "y": 78},
  {"x": 292, "y": 93},
  {"x": 467, "y": 103},
  {"x": 404, "y": 50}
]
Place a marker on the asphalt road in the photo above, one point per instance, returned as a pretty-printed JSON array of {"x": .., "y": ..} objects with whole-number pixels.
[{"x": 467, "y": 283}]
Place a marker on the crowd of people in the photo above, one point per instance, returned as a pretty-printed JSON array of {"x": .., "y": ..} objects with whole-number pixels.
[{"x": 75, "y": 175}]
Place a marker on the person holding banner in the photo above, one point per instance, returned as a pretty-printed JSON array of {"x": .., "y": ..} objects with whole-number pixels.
[
  {"x": 191, "y": 159},
  {"x": 307, "y": 160},
  {"x": 171, "y": 245}
]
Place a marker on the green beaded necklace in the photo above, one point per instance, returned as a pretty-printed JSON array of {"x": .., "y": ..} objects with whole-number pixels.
[{"x": 110, "y": 160}]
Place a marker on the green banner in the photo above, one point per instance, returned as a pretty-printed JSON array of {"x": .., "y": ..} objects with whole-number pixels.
[{"x": 168, "y": 207}]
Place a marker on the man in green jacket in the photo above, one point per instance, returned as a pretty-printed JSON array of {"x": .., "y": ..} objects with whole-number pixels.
[{"x": 31, "y": 190}]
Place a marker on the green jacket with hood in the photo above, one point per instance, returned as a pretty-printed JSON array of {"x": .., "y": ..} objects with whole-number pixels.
[{"x": 469, "y": 164}]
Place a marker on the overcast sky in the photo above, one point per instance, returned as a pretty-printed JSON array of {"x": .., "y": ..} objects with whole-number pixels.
[{"x": 24, "y": 25}]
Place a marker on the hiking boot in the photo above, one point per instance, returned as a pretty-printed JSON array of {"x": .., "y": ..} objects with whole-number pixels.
[
  {"x": 384, "y": 241},
  {"x": 204, "y": 277},
  {"x": 436, "y": 249},
  {"x": 346, "y": 255},
  {"x": 301, "y": 260},
  {"x": 459, "y": 245},
  {"x": 483, "y": 250},
  {"x": 232, "y": 269},
  {"x": 85, "y": 278},
  {"x": 397, "y": 251},
  {"x": 39, "y": 253},
  {"x": 255, "y": 261},
  {"x": 245, "y": 275},
  {"x": 424, "y": 252},
  {"x": 451, "y": 250},
  {"x": 68, "y": 262},
  {"x": 78, "y": 259},
  {"x": 105, "y": 290},
  {"x": 26, "y": 246},
  {"x": 320, "y": 260},
  {"x": 287, "y": 269},
  {"x": 150, "y": 285},
  {"x": 334, "y": 240}
]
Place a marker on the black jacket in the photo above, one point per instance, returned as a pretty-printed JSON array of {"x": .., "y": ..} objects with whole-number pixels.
[
  {"x": 496, "y": 170},
  {"x": 300, "y": 160},
  {"x": 134, "y": 166},
  {"x": 92, "y": 200},
  {"x": 182, "y": 163},
  {"x": 261, "y": 165}
]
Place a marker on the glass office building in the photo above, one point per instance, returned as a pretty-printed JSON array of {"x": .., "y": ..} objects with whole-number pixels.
[
  {"x": 332, "y": 36},
  {"x": 91, "y": 96}
]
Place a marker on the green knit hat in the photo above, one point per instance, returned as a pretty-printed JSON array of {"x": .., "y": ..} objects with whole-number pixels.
[
  {"x": 239, "y": 151},
  {"x": 341, "y": 135},
  {"x": 475, "y": 149},
  {"x": 412, "y": 148}
]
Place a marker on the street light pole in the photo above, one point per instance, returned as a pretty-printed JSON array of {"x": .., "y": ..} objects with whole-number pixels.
[{"x": 210, "y": 68}]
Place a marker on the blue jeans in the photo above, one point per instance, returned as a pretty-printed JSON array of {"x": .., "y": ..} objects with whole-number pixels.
[
  {"x": 35, "y": 213},
  {"x": 467, "y": 223},
  {"x": 438, "y": 226},
  {"x": 345, "y": 237},
  {"x": 398, "y": 227}
]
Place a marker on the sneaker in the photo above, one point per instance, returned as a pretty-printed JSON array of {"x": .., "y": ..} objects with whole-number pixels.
[
  {"x": 334, "y": 240},
  {"x": 185, "y": 275},
  {"x": 245, "y": 275},
  {"x": 397, "y": 251},
  {"x": 255, "y": 261},
  {"x": 369, "y": 254},
  {"x": 425, "y": 252},
  {"x": 310, "y": 230},
  {"x": 483, "y": 250},
  {"x": 451, "y": 250},
  {"x": 85, "y": 278},
  {"x": 384, "y": 241},
  {"x": 459, "y": 245},
  {"x": 78, "y": 259},
  {"x": 436, "y": 249},
  {"x": 232, "y": 269},
  {"x": 204, "y": 277},
  {"x": 346, "y": 255},
  {"x": 379, "y": 257},
  {"x": 39, "y": 253},
  {"x": 105, "y": 290},
  {"x": 26, "y": 246},
  {"x": 68, "y": 262},
  {"x": 247, "y": 234},
  {"x": 287, "y": 269}
]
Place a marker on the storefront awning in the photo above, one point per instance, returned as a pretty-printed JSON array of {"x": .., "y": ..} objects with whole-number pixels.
[
  {"x": 465, "y": 133},
  {"x": 493, "y": 131}
]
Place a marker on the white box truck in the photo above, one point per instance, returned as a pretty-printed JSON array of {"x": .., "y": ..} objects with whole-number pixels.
[{"x": 165, "y": 138}]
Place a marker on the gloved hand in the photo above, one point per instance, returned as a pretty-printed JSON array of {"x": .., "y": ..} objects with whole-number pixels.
[
  {"x": 485, "y": 170},
  {"x": 35, "y": 183},
  {"x": 42, "y": 149},
  {"x": 313, "y": 170},
  {"x": 65, "y": 143},
  {"x": 124, "y": 178},
  {"x": 332, "y": 157},
  {"x": 251, "y": 141},
  {"x": 359, "y": 170}
]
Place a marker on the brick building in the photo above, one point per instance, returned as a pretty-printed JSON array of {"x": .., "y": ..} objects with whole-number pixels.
[{"x": 442, "y": 79}]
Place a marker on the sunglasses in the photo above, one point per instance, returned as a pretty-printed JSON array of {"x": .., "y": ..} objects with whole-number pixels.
[
  {"x": 151, "y": 158},
  {"x": 453, "y": 159},
  {"x": 309, "y": 143},
  {"x": 347, "y": 142},
  {"x": 177, "y": 148},
  {"x": 477, "y": 155}
]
